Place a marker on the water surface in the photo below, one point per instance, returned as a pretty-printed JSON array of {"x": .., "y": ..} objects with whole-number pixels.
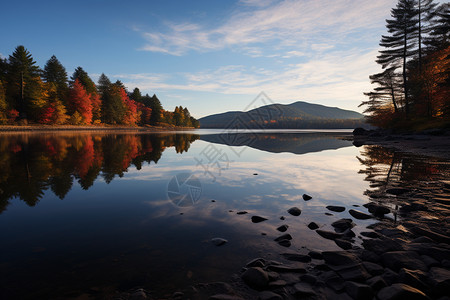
[{"x": 83, "y": 212}]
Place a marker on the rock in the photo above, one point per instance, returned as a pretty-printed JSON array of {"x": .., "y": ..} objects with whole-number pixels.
[
  {"x": 373, "y": 268},
  {"x": 429, "y": 261},
  {"x": 412, "y": 278},
  {"x": 283, "y": 228},
  {"x": 297, "y": 257},
  {"x": 335, "y": 208},
  {"x": 353, "y": 272},
  {"x": 328, "y": 214},
  {"x": 360, "y": 131},
  {"x": 390, "y": 277},
  {"x": 256, "y": 278},
  {"x": 242, "y": 212},
  {"x": 303, "y": 289},
  {"x": 268, "y": 295},
  {"x": 367, "y": 255},
  {"x": 359, "y": 291},
  {"x": 285, "y": 243},
  {"x": 339, "y": 258},
  {"x": 213, "y": 200},
  {"x": 370, "y": 234},
  {"x": 313, "y": 226},
  {"x": 286, "y": 269},
  {"x": 359, "y": 215},
  {"x": 219, "y": 241},
  {"x": 440, "y": 280},
  {"x": 311, "y": 279},
  {"x": 277, "y": 284},
  {"x": 225, "y": 297},
  {"x": 441, "y": 238},
  {"x": 333, "y": 281},
  {"x": 138, "y": 294},
  {"x": 397, "y": 191},
  {"x": 257, "y": 262},
  {"x": 396, "y": 260},
  {"x": 376, "y": 209},
  {"x": 282, "y": 218},
  {"x": 177, "y": 295},
  {"x": 330, "y": 235},
  {"x": 399, "y": 291},
  {"x": 306, "y": 197},
  {"x": 376, "y": 283},
  {"x": 315, "y": 255},
  {"x": 438, "y": 252},
  {"x": 346, "y": 245},
  {"x": 343, "y": 224},
  {"x": 258, "y": 219},
  {"x": 295, "y": 211},
  {"x": 382, "y": 245},
  {"x": 286, "y": 236}
]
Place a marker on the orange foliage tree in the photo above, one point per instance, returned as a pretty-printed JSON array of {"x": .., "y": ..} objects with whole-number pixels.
[{"x": 80, "y": 103}]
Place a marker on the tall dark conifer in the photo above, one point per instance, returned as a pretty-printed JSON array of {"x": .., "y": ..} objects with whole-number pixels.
[
  {"x": 401, "y": 44},
  {"x": 54, "y": 72}
]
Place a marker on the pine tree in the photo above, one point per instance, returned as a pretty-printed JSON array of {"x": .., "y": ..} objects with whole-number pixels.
[
  {"x": 136, "y": 95},
  {"x": 23, "y": 79},
  {"x": 54, "y": 72},
  {"x": 401, "y": 44},
  {"x": 439, "y": 36},
  {"x": 156, "y": 108},
  {"x": 113, "y": 109},
  {"x": 426, "y": 14}
]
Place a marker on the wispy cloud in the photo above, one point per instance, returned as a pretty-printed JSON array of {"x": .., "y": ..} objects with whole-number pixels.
[{"x": 292, "y": 24}]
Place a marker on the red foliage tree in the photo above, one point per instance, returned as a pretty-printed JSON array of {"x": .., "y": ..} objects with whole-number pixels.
[
  {"x": 80, "y": 102},
  {"x": 131, "y": 115}
]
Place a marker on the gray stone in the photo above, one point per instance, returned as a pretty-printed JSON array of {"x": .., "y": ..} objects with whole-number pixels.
[
  {"x": 268, "y": 295},
  {"x": 333, "y": 281},
  {"x": 380, "y": 246},
  {"x": 438, "y": 252},
  {"x": 377, "y": 283},
  {"x": 429, "y": 261},
  {"x": 372, "y": 268},
  {"x": 359, "y": 291},
  {"x": 346, "y": 245},
  {"x": 335, "y": 208},
  {"x": 354, "y": 272},
  {"x": 359, "y": 215},
  {"x": 339, "y": 258},
  {"x": 257, "y": 262},
  {"x": 370, "y": 234},
  {"x": 285, "y": 243},
  {"x": 306, "y": 197},
  {"x": 390, "y": 277},
  {"x": 256, "y": 278},
  {"x": 138, "y": 294},
  {"x": 286, "y": 236},
  {"x": 315, "y": 254},
  {"x": 277, "y": 284},
  {"x": 330, "y": 235},
  {"x": 396, "y": 260},
  {"x": 286, "y": 269},
  {"x": 295, "y": 211},
  {"x": 242, "y": 212},
  {"x": 219, "y": 241},
  {"x": 376, "y": 209},
  {"x": 400, "y": 291},
  {"x": 258, "y": 219},
  {"x": 303, "y": 289},
  {"x": 297, "y": 257},
  {"x": 413, "y": 278},
  {"x": 225, "y": 297},
  {"x": 311, "y": 279},
  {"x": 440, "y": 280},
  {"x": 367, "y": 255},
  {"x": 313, "y": 226},
  {"x": 343, "y": 224},
  {"x": 283, "y": 228}
]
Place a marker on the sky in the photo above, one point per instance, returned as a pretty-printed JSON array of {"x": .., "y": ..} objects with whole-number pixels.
[{"x": 211, "y": 56}]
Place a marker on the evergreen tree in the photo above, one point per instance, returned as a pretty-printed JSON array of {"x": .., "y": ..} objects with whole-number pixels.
[
  {"x": 156, "y": 108},
  {"x": 23, "y": 77},
  {"x": 3, "y": 105},
  {"x": 54, "y": 72},
  {"x": 84, "y": 79},
  {"x": 136, "y": 95},
  {"x": 113, "y": 108},
  {"x": 439, "y": 36},
  {"x": 401, "y": 44},
  {"x": 426, "y": 14}
]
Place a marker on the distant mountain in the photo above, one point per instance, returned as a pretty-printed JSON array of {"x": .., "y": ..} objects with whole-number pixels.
[{"x": 296, "y": 115}]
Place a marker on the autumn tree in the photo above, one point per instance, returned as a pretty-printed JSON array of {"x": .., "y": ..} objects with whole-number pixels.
[
  {"x": 80, "y": 104},
  {"x": 91, "y": 89},
  {"x": 55, "y": 73},
  {"x": 3, "y": 105}
]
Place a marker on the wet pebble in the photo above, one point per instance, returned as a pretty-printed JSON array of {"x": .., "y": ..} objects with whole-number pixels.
[
  {"x": 219, "y": 241},
  {"x": 313, "y": 226},
  {"x": 306, "y": 197},
  {"x": 283, "y": 228},
  {"x": 295, "y": 211},
  {"x": 258, "y": 219},
  {"x": 335, "y": 208}
]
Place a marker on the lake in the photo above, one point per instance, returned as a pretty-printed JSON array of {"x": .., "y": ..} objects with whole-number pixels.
[{"x": 99, "y": 212}]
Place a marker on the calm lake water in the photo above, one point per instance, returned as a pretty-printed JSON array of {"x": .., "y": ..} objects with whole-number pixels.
[{"x": 98, "y": 212}]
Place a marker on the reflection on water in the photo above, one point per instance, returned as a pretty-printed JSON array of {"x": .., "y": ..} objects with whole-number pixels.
[
  {"x": 95, "y": 213},
  {"x": 31, "y": 164}
]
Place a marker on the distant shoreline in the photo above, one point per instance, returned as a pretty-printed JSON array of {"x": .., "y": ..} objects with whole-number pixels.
[{"x": 44, "y": 128}]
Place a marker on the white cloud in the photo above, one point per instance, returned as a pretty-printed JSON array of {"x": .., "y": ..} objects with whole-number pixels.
[{"x": 291, "y": 23}]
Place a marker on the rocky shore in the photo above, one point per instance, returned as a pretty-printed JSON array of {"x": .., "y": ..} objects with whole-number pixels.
[{"x": 404, "y": 253}]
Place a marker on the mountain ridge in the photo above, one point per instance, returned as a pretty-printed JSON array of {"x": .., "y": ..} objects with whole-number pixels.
[{"x": 299, "y": 114}]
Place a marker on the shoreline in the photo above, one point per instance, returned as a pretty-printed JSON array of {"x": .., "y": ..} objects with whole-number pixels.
[{"x": 65, "y": 128}]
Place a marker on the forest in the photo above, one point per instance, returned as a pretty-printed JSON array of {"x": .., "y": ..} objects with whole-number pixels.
[
  {"x": 413, "y": 90},
  {"x": 31, "y": 95}
]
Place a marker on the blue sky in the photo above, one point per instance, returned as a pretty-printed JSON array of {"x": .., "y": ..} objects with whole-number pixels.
[{"x": 210, "y": 56}]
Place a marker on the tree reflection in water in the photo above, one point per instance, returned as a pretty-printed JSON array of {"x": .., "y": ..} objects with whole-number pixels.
[{"x": 31, "y": 164}]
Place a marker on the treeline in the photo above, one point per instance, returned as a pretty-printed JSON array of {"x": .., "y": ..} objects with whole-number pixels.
[
  {"x": 29, "y": 94},
  {"x": 413, "y": 90},
  {"x": 63, "y": 160}
]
